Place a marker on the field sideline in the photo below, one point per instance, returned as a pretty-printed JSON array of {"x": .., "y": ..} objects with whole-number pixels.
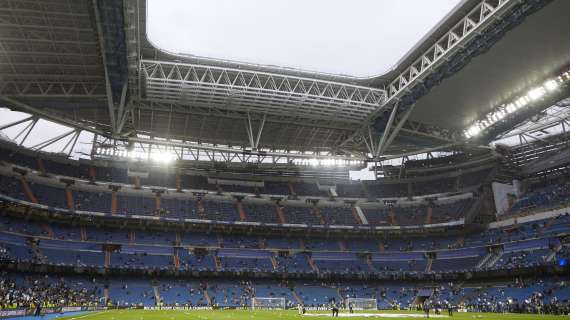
[{"x": 285, "y": 315}]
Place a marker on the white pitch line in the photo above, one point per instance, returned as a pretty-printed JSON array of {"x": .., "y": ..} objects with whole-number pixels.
[{"x": 87, "y": 315}]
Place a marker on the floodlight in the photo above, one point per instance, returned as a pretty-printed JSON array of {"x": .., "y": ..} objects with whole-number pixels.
[
  {"x": 536, "y": 93},
  {"x": 551, "y": 85}
]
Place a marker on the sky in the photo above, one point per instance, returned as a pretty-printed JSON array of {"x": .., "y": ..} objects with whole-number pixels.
[{"x": 359, "y": 38}]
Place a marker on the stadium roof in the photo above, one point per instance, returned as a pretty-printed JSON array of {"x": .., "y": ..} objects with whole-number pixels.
[{"x": 90, "y": 65}]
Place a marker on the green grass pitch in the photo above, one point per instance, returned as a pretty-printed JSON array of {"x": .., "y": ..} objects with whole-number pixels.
[{"x": 278, "y": 315}]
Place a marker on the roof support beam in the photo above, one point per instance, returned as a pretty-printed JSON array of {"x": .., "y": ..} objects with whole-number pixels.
[
  {"x": 396, "y": 129},
  {"x": 110, "y": 104},
  {"x": 29, "y": 128},
  {"x": 386, "y": 131},
  {"x": 15, "y": 123},
  {"x": 20, "y": 106},
  {"x": 254, "y": 140},
  {"x": 53, "y": 140}
]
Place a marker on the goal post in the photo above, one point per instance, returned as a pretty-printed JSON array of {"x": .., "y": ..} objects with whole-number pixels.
[
  {"x": 268, "y": 303},
  {"x": 361, "y": 303}
]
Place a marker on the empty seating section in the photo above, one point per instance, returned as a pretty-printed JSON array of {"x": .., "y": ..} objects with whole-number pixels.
[
  {"x": 338, "y": 215},
  {"x": 343, "y": 262},
  {"x": 135, "y": 204},
  {"x": 294, "y": 263},
  {"x": 261, "y": 213},
  {"x": 530, "y": 244},
  {"x": 168, "y": 179},
  {"x": 196, "y": 261},
  {"x": 543, "y": 197},
  {"x": 223, "y": 211},
  {"x": 131, "y": 292},
  {"x": 300, "y": 215},
  {"x": 245, "y": 260},
  {"x": 12, "y": 187},
  {"x": 178, "y": 207},
  {"x": 92, "y": 201}
]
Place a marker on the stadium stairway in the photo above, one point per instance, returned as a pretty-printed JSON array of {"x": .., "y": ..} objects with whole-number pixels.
[
  {"x": 274, "y": 262},
  {"x": 217, "y": 263},
  {"x": 359, "y": 215},
  {"x": 157, "y": 201},
  {"x": 297, "y": 297},
  {"x": 156, "y": 291},
  {"x": 28, "y": 190},
  {"x": 291, "y": 189},
  {"x": 490, "y": 259},
  {"x": 552, "y": 255},
  {"x": 114, "y": 203},
  {"x": 178, "y": 239},
  {"x": 107, "y": 257},
  {"x": 381, "y": 247},
  {"x": 176, "y": 258},
  {"x": 41, "y": 166},
  {"x": 178, "y": 182},
  {"x": 83, "y": 233},
  {"x": 69, "y": 198},
  {"x": 280, "y": 214},
  {"x": 48, "y": 230},
  {"x": 38, "y": 255},
  {"x": 370, "y": 265},
  {"x": 319, "y": 215},
  {"x": 342, "y": 245},
  {"x": 302, "y": 245},
  {"x": 200, "y": 209},
  {"x": 241, "y": 211},
  {"x": 262, "y": 243},
  {"x": 483, "y": 262},
  {"x": 423, "y": 295},
  {"x": 393, "y": 220},
  {"x": 496, "y": 256},
  {"x": 429, "y": 215},
  {"x": 429, "y": 264},
  {"x": 207, "y": 296},
  {"x": 312, "y": 264}
]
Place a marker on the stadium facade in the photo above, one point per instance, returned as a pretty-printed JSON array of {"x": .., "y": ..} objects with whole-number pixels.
[{"x": 212, "y": 183}]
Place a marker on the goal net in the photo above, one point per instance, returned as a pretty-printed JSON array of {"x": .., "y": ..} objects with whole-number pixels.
[
  {"x": 361, "y": 303},
  {"x": 267, "y": 303}
]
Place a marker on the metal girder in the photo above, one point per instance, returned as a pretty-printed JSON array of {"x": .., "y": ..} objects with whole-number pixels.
[
  {"x": 110, "y": 103},
  {"x": 69, "y": 89},
  {"x": 20, "y": 106},
  {"x": 238, "y": 89},
  {"x": 386, "y": 132},
  {"x": 49, "y": 50},
  {"x": 254, "y": 139},
  {"x": 29, "y": 129},
  {"x": 483, "y": 12},
  {"x": 53, "y": 140},
  {"x": 15, "y": 123},
  {"x": 401, "y": 122},
  {"x": 241, "y": 151}
]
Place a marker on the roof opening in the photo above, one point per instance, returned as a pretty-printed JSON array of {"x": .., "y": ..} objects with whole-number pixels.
[{"x": 360, "y": 38}]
